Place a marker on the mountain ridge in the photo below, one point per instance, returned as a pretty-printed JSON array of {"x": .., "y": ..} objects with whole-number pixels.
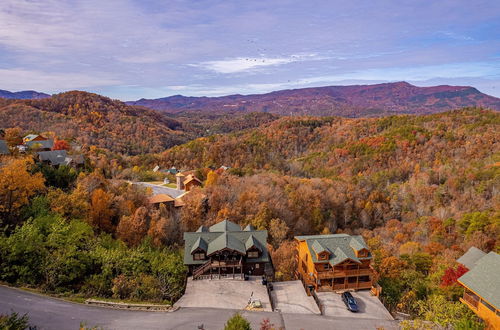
[
  {"x": 23, "y": 95},
  {"x": 347, "y": 101}
]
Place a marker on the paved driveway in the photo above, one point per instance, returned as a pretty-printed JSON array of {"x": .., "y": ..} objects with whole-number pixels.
[
  {"x": 370, "y": 307},
  {"x": 49, "y": 313},
  {"x": 290, "y": 297},
  {"x": 225, "y": 293}
]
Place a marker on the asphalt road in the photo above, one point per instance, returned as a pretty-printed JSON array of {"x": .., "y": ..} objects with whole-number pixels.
[
  {"x": 158, "y": 189},
  {"x": 50, "y": 313}
]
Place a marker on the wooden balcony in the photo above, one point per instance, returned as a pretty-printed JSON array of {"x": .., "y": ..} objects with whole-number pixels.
[
  {"x": 343, "y": 273},
  {"x": 227, "y": 263}
]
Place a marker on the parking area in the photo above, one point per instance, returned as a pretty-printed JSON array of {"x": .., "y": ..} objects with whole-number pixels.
[
  {"x": 224, "y": 293},
  {"x": 370, "y": 307},
  {"x": 290, "y": 297}
]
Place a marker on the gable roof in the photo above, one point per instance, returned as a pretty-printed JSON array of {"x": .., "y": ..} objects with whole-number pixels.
[
  {"x": 252, "y": 242},
  {"x": 470, "y": 257},
  {"x": 54, "y": 157},
  {"x": 4, "y": 149},
  {"x": 340, "y": 246},
  {"x": 225, "y": 235},
  {"x": 224, "y": 225},
  {"x": 31, "y": 137},
  {"x": 160, "y": 198},
  {"x": 226, "y": 241},
  {"x": 202, "y": 229},
  {"x": 484, "y": 279},
  {"x": 190, "y": 178},
  {"x": 200, "y": 244},
  {"x": 45, "y": 144},
  {"x": 318, "y": 248},
  {"x": 249, "y": 228}
]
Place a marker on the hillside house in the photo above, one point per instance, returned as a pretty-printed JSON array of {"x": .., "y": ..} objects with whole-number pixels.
[
  {"x": 187, "y": 181},
  {"x": 56, "y": 158},
  {"x": 482, "y": 285},
  {"x": 34, "y": 137},
  {"x": 227, "y": 250},
  {"x": 36, "y": 142},
  {"x": 334, "y": 262}
]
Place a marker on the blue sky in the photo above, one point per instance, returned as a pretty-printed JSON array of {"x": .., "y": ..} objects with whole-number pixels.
[{"x": 128, "y": 49}]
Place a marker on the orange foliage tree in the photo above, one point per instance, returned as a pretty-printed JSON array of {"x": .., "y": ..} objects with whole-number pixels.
[
  {"x": 17, "y": 185},
  {"x": 100, "y": 215}
]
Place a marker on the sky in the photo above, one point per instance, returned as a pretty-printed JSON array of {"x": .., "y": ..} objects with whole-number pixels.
[{"x": 131, "y": 49}]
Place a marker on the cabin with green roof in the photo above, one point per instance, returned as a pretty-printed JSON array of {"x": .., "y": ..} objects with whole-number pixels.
[
  {"x": 226, "y": 250},
  {"x": 334, "y": 262},
  {"x": 482, "y": 285}
]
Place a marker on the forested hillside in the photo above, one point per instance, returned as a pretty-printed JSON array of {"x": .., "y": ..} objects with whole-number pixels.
[
  {"x": 363, "y": 171},
  {"x": 94, "y": 120}
]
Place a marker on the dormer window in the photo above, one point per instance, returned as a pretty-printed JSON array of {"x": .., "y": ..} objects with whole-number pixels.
[
  {"x": 253, "y": 254},
  {"x": 199, "y": 256}
]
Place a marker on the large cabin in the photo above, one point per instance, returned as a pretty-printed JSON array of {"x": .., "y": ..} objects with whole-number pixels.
[
  {"x": 225, "y": 250},
  {"x": 334, "y": 262},
  {"x": 482, "y": 285}
]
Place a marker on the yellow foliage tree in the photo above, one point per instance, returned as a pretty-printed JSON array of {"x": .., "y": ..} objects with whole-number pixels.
[
  {"x": 212, "y": 178},
  {"x": 17, "y": 185}
]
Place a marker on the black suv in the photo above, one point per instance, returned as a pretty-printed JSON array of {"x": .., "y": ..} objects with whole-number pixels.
[{"x": 350, "y": 302}]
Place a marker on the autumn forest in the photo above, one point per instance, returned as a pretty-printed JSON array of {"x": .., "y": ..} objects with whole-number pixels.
[{"x": 421, "y": 190}]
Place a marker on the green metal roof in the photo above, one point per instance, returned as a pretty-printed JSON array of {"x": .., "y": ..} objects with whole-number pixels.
[
  {"x": 252, "y": 241},
  {"x": 4, "y": 149},
  {"x": 318, "y": 248},
  {"x": 226, "y": 241},
  {"x": 46, "y": 144},
  {"x": 202, "y": 229},
  {"x": 224, "y": 225},
  {"x": 484, "y": 279},
  {"x": 470, "y": 257},
  {"x": 222, "y": 236},
  {"x": 249, "y": 228},
  {"x": 200, "y": 244},
  {"x": 340, "y": 246}
]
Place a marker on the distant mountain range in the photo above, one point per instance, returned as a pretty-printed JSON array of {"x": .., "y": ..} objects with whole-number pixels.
[
  {"x": 348, "y": 101},
  {"x": 23, "y": 95}
]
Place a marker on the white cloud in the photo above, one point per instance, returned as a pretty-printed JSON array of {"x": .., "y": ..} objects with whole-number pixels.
[
  {"x": 21, "y": 79},
  {"x": 245, "y": 64}
]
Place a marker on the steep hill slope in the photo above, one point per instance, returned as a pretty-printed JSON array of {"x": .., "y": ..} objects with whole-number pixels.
[
  {"x": 347, "y": 101},
  {"x": 94, "y": 120}
]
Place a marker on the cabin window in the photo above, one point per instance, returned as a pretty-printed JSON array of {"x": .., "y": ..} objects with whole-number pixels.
[
  {"x": 352, "y": 279},
  {"x": 199, "y": 256},
  {"x": 325, "y": 266},
  {"x": 338, "y": 280},
  {"x": 352, "y": 267},
  {"x": 253, "y": 254},
  {"x": 257, "y": 266},
  {"x": 364, "y": 278}
]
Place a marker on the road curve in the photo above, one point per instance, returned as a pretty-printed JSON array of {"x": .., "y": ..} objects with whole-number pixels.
[{"x": 48, "y": 313}]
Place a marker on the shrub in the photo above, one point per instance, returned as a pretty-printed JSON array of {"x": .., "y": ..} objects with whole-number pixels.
[{"x": 237, "y": 322}]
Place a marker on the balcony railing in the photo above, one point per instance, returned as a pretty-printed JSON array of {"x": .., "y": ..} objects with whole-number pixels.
[
  {"x": 227, "y": 263},
  {"x": 343, "y": 273},
  {"x": 471, "y": 299}
]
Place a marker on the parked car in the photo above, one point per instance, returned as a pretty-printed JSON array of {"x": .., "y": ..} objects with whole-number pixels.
[{"x": 350, "y": 302}]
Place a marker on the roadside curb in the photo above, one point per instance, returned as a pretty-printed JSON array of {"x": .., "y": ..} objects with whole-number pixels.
[{"x": 131, "y": 306}]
